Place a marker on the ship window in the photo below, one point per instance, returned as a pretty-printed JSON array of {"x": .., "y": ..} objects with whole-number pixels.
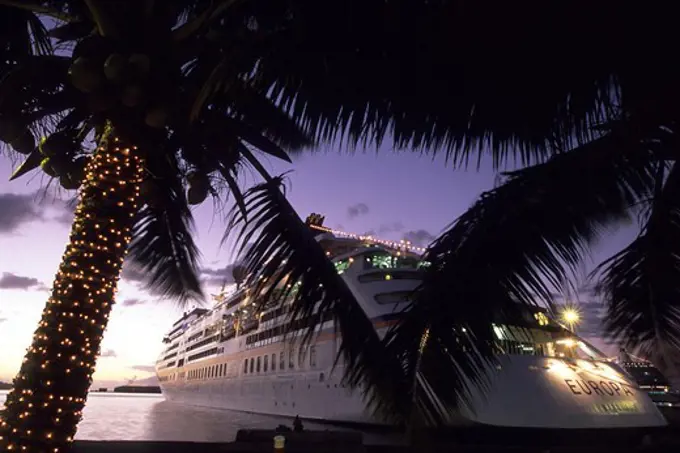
[
  {"x": 393, "y": 298},
  {"x": 245, "y": 366},
  {"x": 282, "y": 361},
  {"x": 312, "y": 356},
  {"x": 266, "y": 363},
  {"x": 257, "y": 367},
  {"x": 541, "y": 318},
  {"x": 391, "y": 275},
  {"x": 273, "y": 362},
  {"x": 291, "y": 359},
  {"x": 342, "y": 265},
  {"x": 252, "y": 364},
  {"x": 383, "y": 260}
]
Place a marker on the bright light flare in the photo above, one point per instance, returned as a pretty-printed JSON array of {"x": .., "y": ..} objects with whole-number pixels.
[{"x": 571, "y": 317}]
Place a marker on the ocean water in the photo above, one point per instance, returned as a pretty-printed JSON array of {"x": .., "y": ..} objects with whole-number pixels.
[{"x": 116, "y": 416}]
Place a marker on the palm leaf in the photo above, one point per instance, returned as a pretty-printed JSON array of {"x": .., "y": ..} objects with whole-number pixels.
[
  {"x": 641, "y": 283},
  {"x": 282, "y": 251},
  {"x": 263, "y": 123},
  {"x": 163, "y": 246},
  {"x": 31, "y": 163},
  {"x": 36, "y": 8},
  {"x": 507, "y": 252},
  {"x": 405, "y": 73}
]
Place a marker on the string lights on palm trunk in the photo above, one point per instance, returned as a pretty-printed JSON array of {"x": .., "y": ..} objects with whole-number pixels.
[{"x": 42, "y": 411}]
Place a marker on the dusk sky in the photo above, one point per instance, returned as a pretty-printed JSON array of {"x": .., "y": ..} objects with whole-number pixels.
[{"x": 404, "y": 195}]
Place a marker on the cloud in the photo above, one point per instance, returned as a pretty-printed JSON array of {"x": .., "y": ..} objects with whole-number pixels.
[
  {"x": 108, "y": 353},
  {"x": 218, "y": 276},
  {"x": 357, "y": 210},
  {"x": 13, "y": 281},
  {"x": 131, "y": 302},
  {"x": 17, "y": 210},
  {"x": 2, "y": 320},
  {"x": 133, "y": 274},
  {"x": 145, "y": 368},
  {"x": 419, "y": 238},
  {"x": 20, "y": 209},
  {"x": 65, "y": 218}
]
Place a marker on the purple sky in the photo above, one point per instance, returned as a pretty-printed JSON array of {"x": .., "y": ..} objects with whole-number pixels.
[{"x": 396, "y": 196}]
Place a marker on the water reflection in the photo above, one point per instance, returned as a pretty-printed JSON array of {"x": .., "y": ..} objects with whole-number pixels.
[{"x": 115, "y": 416}]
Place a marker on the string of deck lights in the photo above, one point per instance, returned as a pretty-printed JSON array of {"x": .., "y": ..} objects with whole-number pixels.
[
  {"x": 49, "y": 392},
  {"x": 402, "y": 244}
]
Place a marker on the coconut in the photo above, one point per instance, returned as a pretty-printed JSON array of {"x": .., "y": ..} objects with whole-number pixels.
[
  {"x": 213, "y": 34},
  {"x": 61, "y": 164},
  {"x": 85, "y": 75},
  {"x": 194, "y": 177},
  {"x": 90, "y": 46},
  {"x": 46, "y": 166},
  {"x": 101, "y": 101},
  {"x": 197, "y": 194},
  {"x": 24, "y": 144},
  {"x": 156, "y": 117},
  {"x": 56, "y": 144},
  {"x": 115, "y": 68},
  {"x": 68, "y": 182},
  {"x": 140, "y": 64},
  {"x": 133, "y": 95}
]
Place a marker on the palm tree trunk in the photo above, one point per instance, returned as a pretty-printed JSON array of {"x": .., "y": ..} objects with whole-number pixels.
[{"x": 43, "y": 409}]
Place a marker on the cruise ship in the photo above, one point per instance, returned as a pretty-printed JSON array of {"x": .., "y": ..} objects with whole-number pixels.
[{"x": 235, "y": 356}]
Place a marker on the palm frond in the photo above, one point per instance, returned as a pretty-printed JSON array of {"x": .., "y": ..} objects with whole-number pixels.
[
  {"x": 282, "y": 252},
  {"x": 163, "y": 246},
  {"x": 261, "y": 122},
  {"x": 34, "y": 8},
  {"x": 422, "y": 75},
  {"x": 507, "y": 253},
  {"x": 641, "y": 284}
]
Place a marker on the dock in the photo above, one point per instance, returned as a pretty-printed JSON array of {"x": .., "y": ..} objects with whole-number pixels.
[{"x": 261, "y": 441}]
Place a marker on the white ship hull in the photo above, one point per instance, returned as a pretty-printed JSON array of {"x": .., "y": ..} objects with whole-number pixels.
[
  {"x": 206, "y": 365},
  {"x": 527, "y": 391}
]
